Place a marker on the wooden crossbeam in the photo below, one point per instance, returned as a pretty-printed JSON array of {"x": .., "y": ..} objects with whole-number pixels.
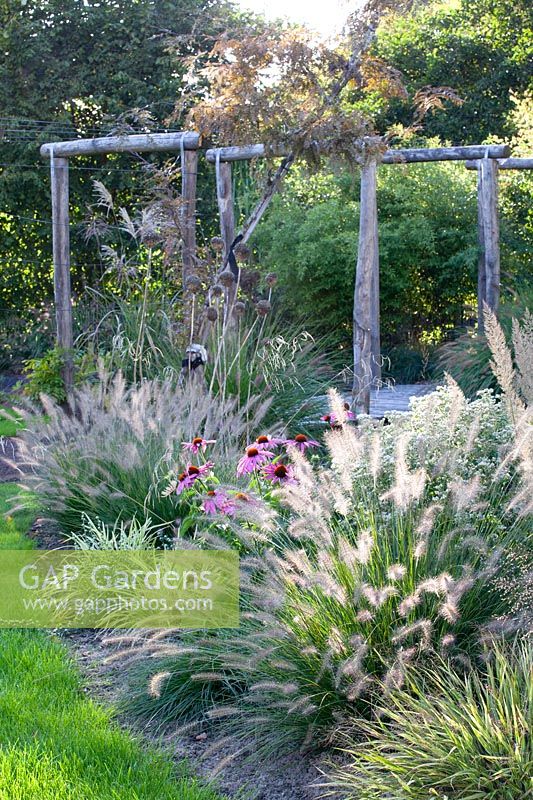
[
  {"x": 424, "y": 154},
  {"x": 407, "y": 156},
  {"x": 506, "y": 163},
  {"x": 135, "y": 143}
]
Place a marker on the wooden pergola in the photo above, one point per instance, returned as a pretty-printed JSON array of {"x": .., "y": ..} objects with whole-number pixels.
[
  {"x": 59, "y": 153},
  {"x": 366, "y": 318},
  {"x": 487, "y": 159}
]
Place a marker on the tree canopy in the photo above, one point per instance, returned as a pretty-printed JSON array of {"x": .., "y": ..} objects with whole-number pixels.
[
  {"x": 481, "y": 48},
  {"x": 72, "y": 68}
]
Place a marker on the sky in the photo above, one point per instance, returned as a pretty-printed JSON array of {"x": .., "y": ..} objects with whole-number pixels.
[{"x": 325, "y": 16}]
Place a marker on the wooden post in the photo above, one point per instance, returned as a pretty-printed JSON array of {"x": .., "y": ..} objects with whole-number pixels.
[
  {"x": 489, "y": 230},
  {"x": 375, "y": 333},
  {"x": 227, "y": 225},
  {"x": 481, "y": 274},
  {"x": 189, "y": 172},
  {"x": 366, "y": 289},
  {"x": 61, "y": 254},
  {"x": 225, "y": 205}
]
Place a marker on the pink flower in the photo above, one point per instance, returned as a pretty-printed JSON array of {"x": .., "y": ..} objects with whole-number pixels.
[
  {"x": 301, "y": 442},
  {"x": 197, "y": 444},
  {"x": 191, "y": 474},
  {"x": 350, "y": 415},
  {"x": 265, "y": 441},
  {"x": 279, "y": 473},
  {"x": 252, "y": 459},
  {"x": 217, "y": 501},
  {"x": 332, "y": 417}
]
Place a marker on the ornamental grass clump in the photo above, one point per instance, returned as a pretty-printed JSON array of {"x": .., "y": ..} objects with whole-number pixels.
[
  {"x": 109, "y": 456},
  {"x": 448, "y": 736},
  {"x": 370, "y": 574}
]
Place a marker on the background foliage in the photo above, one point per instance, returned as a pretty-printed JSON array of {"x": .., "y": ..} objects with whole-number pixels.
[
  {"x": 70, "y": 68},
  {"x": 428, "y": 248}
]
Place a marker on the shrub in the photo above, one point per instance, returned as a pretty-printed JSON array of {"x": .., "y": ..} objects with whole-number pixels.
[
  {"x": 111, "y": 453},
  {"x": 449, "y": 436},
  {"x": 44, "y": 373},
  {"x": 427, "y": 241},
  {"x": 446, "y": 735}
]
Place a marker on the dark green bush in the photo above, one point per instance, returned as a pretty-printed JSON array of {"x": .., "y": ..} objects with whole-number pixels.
[{"x": 428, "y": 250}]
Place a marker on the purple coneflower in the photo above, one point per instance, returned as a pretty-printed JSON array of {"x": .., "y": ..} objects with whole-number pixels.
[
  {"x": 217, "y": 501},
  {"x": 197, "y": 444},
  {"x": 279, "y": 473},
  {"x": 348, "y": 412},
  {"x": 265, "y": 441},
  {"x": 191, "y": 474},
  {"x": 301, "y": 442},
  {"x": 252, "y": 459}
]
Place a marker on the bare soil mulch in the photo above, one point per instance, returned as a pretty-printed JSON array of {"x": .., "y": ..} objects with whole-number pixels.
[{"x": 8, "y": 457}]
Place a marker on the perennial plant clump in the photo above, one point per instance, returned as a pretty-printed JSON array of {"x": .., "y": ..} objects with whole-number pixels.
[
  {"x": 109, "y": 456},
  {"x": 448, "y": 735}
]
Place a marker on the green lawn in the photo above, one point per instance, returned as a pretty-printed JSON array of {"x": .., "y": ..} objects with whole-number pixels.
[{"x": 55, "y": 742}]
